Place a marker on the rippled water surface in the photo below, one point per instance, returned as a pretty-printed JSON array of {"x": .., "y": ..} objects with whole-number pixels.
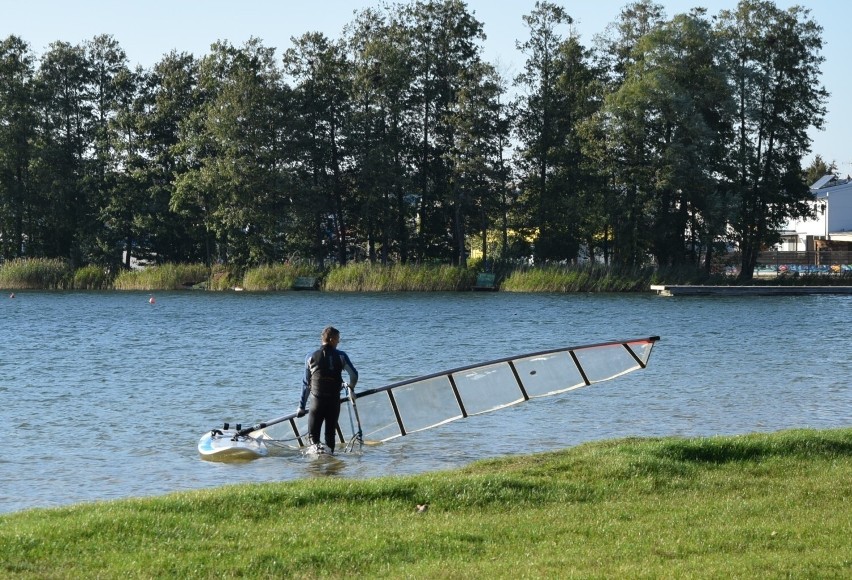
[{"x": 104, "y": 395}]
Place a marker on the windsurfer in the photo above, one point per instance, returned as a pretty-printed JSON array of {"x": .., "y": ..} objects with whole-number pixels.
[{"x": 323, "y": 381}]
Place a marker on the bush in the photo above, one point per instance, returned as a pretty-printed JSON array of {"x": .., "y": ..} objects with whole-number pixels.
[
  {"x": 222, "y": 278},
  {"x": 578, "y": 278},
  {"x": 35, "y": 273},
  {"x": 367, "y": 277},
  {"x": 162, "y": 277},
  {"x": 277, "y": 276},
  {"x": 91, "y": 277}
]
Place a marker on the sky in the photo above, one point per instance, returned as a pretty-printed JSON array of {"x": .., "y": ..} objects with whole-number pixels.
[{"x": 149, "y": 29}]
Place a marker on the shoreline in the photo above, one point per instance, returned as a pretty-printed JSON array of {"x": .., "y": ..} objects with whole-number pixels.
[{"x": 704, "y": 290}]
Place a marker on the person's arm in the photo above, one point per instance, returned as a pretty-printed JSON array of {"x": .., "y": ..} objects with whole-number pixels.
[
  {"x": 350, "y": 369},
  {"x": 306, "y": 388}
]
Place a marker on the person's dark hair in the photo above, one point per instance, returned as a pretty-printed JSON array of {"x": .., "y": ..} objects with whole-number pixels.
[{"x": 328, "y": 333}]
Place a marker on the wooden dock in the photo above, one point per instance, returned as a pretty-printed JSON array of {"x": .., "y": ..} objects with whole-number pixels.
[{"x": 688, "y": 290}]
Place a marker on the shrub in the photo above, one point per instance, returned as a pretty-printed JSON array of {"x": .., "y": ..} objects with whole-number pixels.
[
  {"x": 162, "y": 277},
  {"x": 367, "y": 277},
  {"x": 35, "y": 273},
  {"x": 277, "y": 276},
  {"x": 91, "y": 277}
]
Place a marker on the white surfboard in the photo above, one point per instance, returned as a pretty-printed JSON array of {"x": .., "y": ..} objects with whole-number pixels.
[{"x": 219, "y": 445}]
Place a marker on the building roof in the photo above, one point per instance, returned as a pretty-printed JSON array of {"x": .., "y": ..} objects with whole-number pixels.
[{"x": 823, "y": 181}]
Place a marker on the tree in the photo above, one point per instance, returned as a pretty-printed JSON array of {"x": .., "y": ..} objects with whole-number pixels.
[
  {"x": 444, "y": 42},
  {"x": 773, "y": 57},
  {"x": 476, "y": 155},
  {"x": 818, "y": 169},
  {"x": 380, "y": 137},
  {"x": 61, "y": 151},
  {"x": 557, "y": 78},
  {"x": 169, "y": 97},
  {"x": 672, "y": 110},
  {"x": 17, "y": 131},
  {"x": 323, "y": 76},
  {"x": 236, "y": 134},
  {"x": 616, "y": 144},
  {"x": 112, "y": 87}
]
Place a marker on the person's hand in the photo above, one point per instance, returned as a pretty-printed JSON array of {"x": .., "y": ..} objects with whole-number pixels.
[{"x": 301, "y": 412}]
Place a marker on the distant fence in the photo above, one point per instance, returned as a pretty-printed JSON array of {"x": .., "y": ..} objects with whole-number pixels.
[
  {"x": 810, "y": 258},
  {"x": 811, "y": 262}
]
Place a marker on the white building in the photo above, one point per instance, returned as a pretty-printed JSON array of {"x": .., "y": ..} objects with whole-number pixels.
[{"x": 833, "y": 223}]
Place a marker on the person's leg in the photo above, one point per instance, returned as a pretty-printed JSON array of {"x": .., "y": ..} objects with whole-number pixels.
[
  {"x": 331, "y": 416},
  {"x": 315, "y": 417}
]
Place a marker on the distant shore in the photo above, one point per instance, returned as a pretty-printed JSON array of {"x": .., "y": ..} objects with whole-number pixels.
[{"x": 53, "y": 274}]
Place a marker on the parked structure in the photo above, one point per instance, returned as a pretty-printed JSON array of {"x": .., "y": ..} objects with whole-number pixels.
[{"x": 832, "y": 227}]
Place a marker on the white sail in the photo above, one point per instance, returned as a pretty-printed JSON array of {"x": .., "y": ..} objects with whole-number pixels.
[{"x": 432, "y": 400}]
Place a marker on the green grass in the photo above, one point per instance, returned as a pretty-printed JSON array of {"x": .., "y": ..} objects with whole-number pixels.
[
  {"x": 91, "y": 277},
  {"x": 366, "y": 277},
  {"x": 39, "y": 273},
  {"x": 162, "y": 277},
  {"x": 277, "y": 276},
  {"x": 582, "y": 278},
  {"x": 35, "y": 274},
  {"x": 757, "y": 506}
]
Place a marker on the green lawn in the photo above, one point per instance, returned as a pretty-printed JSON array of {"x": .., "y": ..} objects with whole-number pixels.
[{"x": 757, "y": 506}]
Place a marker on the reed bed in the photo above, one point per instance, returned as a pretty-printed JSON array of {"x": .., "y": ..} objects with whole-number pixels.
[
  {"x": 277, "y": 276},
  {"x": 35, "y": 274},
  {"x": 571, "y": 278},
  {"x": 367, "y": 277},
  {"x": 91, "y": 277},
  {"x": 162, "y": 277},
  {"x": 56, "y": 274},
  {"x": 222, "y": 278}
]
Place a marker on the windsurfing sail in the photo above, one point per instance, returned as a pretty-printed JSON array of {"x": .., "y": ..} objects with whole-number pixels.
[{"x": 428, "y": 401}]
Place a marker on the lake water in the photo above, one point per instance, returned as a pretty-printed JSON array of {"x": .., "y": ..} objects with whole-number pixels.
[{"x": 104, "y": 395}]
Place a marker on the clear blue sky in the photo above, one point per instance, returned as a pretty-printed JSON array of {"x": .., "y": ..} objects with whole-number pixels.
[{"x": 148, "y": 29}]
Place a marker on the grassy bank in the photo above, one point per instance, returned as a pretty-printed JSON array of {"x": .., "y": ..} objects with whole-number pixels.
[
  {"x": 767, "y": 505},
  {"x": 578, "y": 279},
  {"x": 366, "y": 277},
  {"x": 35, "y": 274}
]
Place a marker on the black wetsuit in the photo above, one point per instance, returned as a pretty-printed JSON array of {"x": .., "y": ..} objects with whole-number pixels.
[{"x": 324, "y": 379}]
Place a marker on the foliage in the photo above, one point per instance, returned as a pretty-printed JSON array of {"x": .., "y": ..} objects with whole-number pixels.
[
  {"x": 35, "y": 273},
  {"x": 222, "y": 277},
  {"x": 277, "y": 276},
  {"x": 773, "y": 61},
  {"x": 366, "y": 277},
  {"x": 578, "y": 278},
  {"x": 91, "y": 277},
  {"x": 162, "y": 277},
  {"x": 667, "y": 140},
  {"x": 714, "y": 507}
]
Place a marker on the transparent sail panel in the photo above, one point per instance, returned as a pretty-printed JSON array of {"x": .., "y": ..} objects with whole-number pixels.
[
  {"x": 284, "y": 432},
  {"x": 488, "y": 388},
  {"x": 426, "y": 403},
  {"x": 547, "y": 374},
  {"x": 378, "y": 421},
  {"x": 601, "y": 363},
  {"x": 642, "y": 350}
]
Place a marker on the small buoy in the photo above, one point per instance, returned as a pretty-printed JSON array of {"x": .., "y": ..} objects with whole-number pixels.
[
  {"x": 12, "y": 295},
  {"x": 151, "y": 300}
]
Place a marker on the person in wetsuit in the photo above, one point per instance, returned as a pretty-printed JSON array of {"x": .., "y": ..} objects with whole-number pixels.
[{"x": 323, "y": 381}]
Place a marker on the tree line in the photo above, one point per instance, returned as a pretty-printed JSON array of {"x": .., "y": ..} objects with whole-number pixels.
[{"x": 665, "y": 141}]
